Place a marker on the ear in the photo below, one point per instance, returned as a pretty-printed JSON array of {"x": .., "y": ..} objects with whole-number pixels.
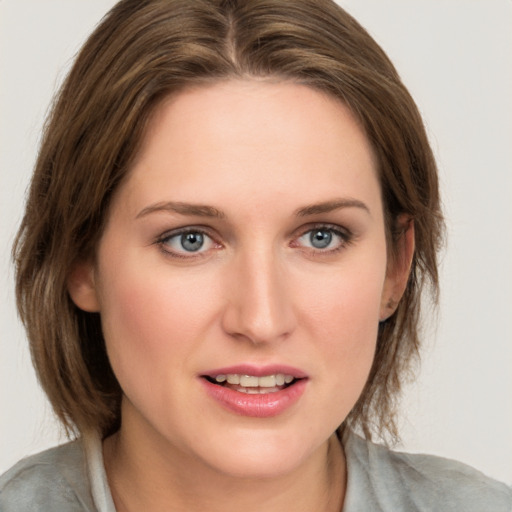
[
  {"x": 399, "y": 267},
  {"x": 82, "y": 288}
]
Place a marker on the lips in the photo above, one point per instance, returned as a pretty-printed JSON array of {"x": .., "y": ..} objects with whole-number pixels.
[{"x": 255, "y": 391}]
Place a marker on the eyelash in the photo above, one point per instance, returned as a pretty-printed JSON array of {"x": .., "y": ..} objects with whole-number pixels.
[
  {"x": 164, "y": 239},
  {"x": 345, "y": 236}
]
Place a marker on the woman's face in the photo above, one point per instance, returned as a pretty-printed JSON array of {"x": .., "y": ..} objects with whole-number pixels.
[{"x": 245, "y": 250}]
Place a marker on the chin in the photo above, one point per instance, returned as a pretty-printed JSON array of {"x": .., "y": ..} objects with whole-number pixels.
[{"x": 260, "y": 455}]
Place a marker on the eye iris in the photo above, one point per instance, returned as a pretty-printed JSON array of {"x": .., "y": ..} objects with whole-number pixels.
[
  {"x": 320, "y": 239},
  {"x": 192, "y": 241}
]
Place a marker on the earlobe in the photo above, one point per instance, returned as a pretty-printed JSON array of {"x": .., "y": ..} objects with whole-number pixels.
[
  {"x": 399, "y": 268},
  {"x": 82, "y": 287}
]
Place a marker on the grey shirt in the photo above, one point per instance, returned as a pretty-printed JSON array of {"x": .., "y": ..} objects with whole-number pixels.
[{"x": 71, "y": 478}]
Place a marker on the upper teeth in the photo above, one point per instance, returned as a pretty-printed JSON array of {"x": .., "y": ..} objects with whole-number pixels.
[{"x": 251, "y": 381}]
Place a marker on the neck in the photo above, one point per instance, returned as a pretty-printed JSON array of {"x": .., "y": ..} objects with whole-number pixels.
[{"x": 142, "y": 478}]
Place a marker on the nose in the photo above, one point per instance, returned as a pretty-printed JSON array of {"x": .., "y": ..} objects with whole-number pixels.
[{"x": 259, "y": 306}]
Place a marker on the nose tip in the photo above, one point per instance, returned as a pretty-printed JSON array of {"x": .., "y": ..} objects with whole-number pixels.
[{"x": 259, "y": 307}]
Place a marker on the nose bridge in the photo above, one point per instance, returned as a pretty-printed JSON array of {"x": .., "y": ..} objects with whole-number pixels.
[{"x": 260, "y": 306}]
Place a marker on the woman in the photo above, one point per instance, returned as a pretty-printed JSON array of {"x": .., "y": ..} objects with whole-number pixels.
[{"x": 234, "y": 211}]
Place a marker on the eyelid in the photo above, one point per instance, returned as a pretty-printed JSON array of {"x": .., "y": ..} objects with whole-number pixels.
[
  {"x": 344, "y": 233},
  {"x": 167, "y": 235}
]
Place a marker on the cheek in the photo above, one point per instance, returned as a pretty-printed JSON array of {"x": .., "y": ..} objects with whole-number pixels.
[
  {"x": 150, "y": 319},
  {"x": 346, "y": 302},
  {"x": 345, "y": 317}
]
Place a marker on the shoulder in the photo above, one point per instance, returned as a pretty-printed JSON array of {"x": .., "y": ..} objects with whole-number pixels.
[
  {"x": 415, "y": 482},
  {"x": 55, "y": 479}
]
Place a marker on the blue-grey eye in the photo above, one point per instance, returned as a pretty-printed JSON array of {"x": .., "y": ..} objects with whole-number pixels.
[
  {"x": 187, "y": 242},
  {"x": 323, "y": 239},
  {"x": 192, "y": 241},
  {"x": 320, "y": 238}
]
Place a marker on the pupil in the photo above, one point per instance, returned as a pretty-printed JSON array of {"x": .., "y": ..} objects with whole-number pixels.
[
  {"x": 320, "y": 239},
  {"x": 192, "y": 241}
]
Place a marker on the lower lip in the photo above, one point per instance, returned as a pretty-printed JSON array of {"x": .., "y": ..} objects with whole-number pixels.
[{"x": 265, "y": 405}]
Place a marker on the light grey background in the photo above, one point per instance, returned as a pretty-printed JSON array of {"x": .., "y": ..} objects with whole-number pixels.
[{"x": 456, "y": 58}]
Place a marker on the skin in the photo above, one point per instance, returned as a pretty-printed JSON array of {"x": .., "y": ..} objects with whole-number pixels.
[{"x": 257, "y": 292}]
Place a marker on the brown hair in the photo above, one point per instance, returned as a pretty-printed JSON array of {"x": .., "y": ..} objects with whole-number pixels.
[{"x": 141, "y": 52}]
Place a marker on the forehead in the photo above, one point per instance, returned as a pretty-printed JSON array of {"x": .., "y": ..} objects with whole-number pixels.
[{"x": 254, "y": 137}]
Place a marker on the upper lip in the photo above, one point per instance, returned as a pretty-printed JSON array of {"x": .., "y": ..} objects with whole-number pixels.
[{"x": 256, "y": 370}]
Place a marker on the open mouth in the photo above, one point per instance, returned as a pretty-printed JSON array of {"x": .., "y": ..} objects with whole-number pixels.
[{"x": 252, "y": 384}]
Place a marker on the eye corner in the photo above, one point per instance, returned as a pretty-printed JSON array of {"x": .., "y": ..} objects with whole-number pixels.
[
  {"x": 330, "y": 239},
  {"x": 187, "y": 243}
]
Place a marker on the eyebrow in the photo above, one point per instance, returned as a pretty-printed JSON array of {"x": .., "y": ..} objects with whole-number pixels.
[
  {"x": 329, "y": 206},
  {"x": 200, "y": 210}
]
